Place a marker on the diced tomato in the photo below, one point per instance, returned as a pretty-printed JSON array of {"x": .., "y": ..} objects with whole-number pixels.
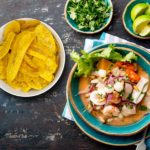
[
  {"x": 126, "y": 65},
  {"x": 130, "y": 69},
  {"x": 119, "y": 64},
  {"x": 134, "y": 77}
]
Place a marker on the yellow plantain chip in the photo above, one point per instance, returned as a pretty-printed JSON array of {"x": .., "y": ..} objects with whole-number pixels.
[
  {"x": 24, "y": 24},
  {"x": 22, "y": 43},
  {"x": 36, "y": 54},
  {"x": 20, "y": 77},
  {"x": 15, "y": 85},
  {"x": 2, "y": 73},
  {"x": 35, "y": 84},
  {"x": 43, "y": 49},
  {"x": 50, "y": 69},
  {"x": 29, "y": 29},
  {"x": 41, "y": 64},
  {"x": 29, "y": 61},
  {"x": 13, "y": 42},
  {"x": 39, "y": 83},
  {"x": 52, "y": 58},
  {"x": 52, "y": 66},
  {"x": 45, "y": 37},
  {"x": 49, "y": 65},
  {"x": 3, "y": 64},
  {"x": 27, "y": 70},
  {"x": 26, "y": 78},
  {"x": 25, "y": 88},
  {"x": 5, "y": 47},
  {"x": 48, "y": 76},
  {"x": 13, "y": 26},
  {"x": 42, "y": 81},
  {"x": 21, "y": 82}
]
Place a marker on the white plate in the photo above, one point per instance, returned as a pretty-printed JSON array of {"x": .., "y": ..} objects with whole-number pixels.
[{"x": 4, "y": 86}]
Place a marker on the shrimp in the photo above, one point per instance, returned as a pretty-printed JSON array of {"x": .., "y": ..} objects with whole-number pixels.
[
  {"x": 97, "y": 97},
  {"x": 110, "y": 111}
]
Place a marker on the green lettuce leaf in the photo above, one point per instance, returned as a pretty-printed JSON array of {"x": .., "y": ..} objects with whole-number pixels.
[
  {"x": 110, "y": 53},
  {"x": 86, "y": 62},
  {"x": 75, "y": 56},
  {"x": 129, "y": 57}
]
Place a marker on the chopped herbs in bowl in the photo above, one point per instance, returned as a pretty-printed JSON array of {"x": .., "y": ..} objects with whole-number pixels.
[{"x": 88, "y": 16}]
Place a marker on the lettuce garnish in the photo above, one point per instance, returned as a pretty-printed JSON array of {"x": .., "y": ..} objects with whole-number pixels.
[
  {"x": 86, "y": 62},
  {"x": 129, "y": 57}
]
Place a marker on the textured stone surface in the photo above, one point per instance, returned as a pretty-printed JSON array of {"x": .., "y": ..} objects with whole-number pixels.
[{"x": 36, "y": 123}]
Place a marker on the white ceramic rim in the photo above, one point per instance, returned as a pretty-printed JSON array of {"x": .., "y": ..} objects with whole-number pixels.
[{"x": 4, "y": 86}]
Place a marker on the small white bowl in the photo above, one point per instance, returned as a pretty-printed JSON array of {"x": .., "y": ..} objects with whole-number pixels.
[{"x": 4, "y": 86}]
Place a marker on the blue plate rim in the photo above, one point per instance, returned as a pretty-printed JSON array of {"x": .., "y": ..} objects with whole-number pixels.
[{"x": 91, "y": 136}]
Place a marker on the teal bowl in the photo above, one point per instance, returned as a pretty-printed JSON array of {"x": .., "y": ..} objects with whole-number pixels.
[
  {"x": 90, "y": 120},
  {"x": 74, "y": 26},
  {"x": 126, "y": 18}
]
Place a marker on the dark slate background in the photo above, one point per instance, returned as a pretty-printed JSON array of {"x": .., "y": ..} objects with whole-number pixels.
[{"x": 36, "y": 123}]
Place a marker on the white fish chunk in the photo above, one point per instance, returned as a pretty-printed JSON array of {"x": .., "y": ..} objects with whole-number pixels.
[
  {"x": 142, "y": 86},
  {"x": 127, "y": 111}
]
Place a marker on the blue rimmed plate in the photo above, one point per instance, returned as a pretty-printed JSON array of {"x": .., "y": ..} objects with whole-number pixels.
[
  {"x": 72, "y": 88},
  {"x": 103, "y": 138}
]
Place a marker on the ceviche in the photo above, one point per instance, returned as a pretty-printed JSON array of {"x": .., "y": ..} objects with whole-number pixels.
[{"x": 112, "y": 86}]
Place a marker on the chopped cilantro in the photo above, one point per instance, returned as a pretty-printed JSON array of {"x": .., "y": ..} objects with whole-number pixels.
[
  {"x": 143, "y": 92},
  {"x": 89, "y": 14},
  {"x": 131, "y": 106},
  {"x": 130, "y": 98},
  {"x": 109, "y": 86},
  {"x": 143, "y": 107},
  {"x": 122, "y": 92}
]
